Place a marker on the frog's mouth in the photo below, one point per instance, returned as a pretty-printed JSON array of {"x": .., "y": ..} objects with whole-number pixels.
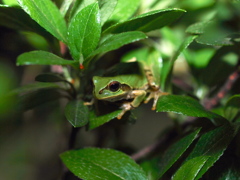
[{"x": 108, "y": 96}]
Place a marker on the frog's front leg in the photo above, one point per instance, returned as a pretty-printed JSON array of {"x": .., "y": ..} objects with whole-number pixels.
[
  {"x": 151, "y": 79},
  {"x": 155, "y": 95},
  {"x": 138, "y": 96}
]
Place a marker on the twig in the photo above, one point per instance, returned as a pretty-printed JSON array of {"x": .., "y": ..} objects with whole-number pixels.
[
  {"x": 145, "y": 151},
  {"x": 210, "y": 103},
  {"x": 65, "y": 174},
  {"x": 72, "y": 138},
  {"x": 150, "y": 149}
]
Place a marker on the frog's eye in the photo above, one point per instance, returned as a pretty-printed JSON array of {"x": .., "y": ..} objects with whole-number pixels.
[{"x": 114, "y": 86}]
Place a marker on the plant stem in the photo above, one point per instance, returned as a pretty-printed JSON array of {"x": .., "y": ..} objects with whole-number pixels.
[
  {"x": 210, "y": 103},
  {"x": 72, "y": 138}
]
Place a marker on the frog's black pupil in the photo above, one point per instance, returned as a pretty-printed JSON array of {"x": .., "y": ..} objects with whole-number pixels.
[{"x": 114, "y": 86}]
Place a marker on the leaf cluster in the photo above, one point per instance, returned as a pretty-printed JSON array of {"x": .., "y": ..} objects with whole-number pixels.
[{"x": 204, "y": 99}]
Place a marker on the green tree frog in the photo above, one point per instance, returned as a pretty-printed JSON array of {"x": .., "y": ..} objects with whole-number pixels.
[{"x": 136, "y": 87}]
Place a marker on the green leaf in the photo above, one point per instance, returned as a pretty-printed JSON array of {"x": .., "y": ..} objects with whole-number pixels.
[
  {"x": 208, "y": 150},
  {"x": 217, "y": 39},
  {"x": 118, "y": 40},
  {"x": 77, "y": 113},
  {"x": 49, "y": 77},
  {"x": 107, "y": 164},
  {"x": 34, "y": 87},
  {"x": 10, "y": 2},
  {"x": 187, "y": 106},
  {"x": 16, "y": 18},
  {"x": 78, "y": 6},
  {"x": 167, "y": 69},
  {"x": 211, "y": 33},
  {"x": 148, "y": 21},
  {"x": 41, "y": 58},
  {"x": 95, "y": 121},
  {"x": 197, "y": 28},
  {"x": 106, "y": 9},
  {"x": 124, "y": 10},
  {"x": 190, "y": 169},
  {"x": 232, "y": 107},
  {"x": 175, "y": 151},
  {"x": 84, "y": 32},
  {"x": 46, "y": 14},
  {"x": 35, "y": 98}
]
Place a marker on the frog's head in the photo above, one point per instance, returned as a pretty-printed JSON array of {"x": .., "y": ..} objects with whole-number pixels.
[{"x": 109, "y": 88}]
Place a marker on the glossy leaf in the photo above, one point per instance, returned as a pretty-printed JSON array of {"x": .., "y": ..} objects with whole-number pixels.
[
  {"x": 41, "y": 58},
  {"x": 187, "y": 106},
  {"x": 175, "y": 151},
  {"x": 95, "y": 163},
  {"x": 118, "y": 40},
  {"x": 77, "y": 113},
  {"x": 190, "y": 169},
  {"x": 106, "y": 9},
  {"x": 232, "y": 107},
  {"x": 46, "y": 14},
  {"x": 95, "y": 121},
  {"x": 147, "y": 22},
  {"x": 49, "y": 77},
  {"x": 84, "y": 32},
  {"x": 16, "y": 18},
  {"x": 79, "y": 5},
  {"x": 211, "y": 145},
  {"x": 124, "y": 10}
]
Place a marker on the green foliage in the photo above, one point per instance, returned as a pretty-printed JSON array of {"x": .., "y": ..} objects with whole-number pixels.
[
  {"x": 41, "y": 58},
  {"x": 84, "y": 32},
  {"x": 207, "y": 151},
  {"x": 187, "y": 106},
  {"x": 148, "y": 21},
  {"x": 195, "y": 60},
  {"x": 175, "y": 151},
  {"x": 76, "y": 113},
  {"x": 96, "y": 120},
  {"x": 46, "y": 14},
  {"x": 94, "y": 163},
  {"x": 115, "y": 41}
]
